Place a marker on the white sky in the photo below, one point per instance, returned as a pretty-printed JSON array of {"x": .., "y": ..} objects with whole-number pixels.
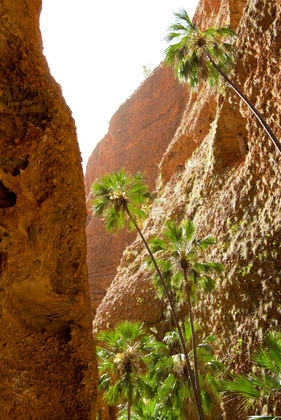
[{"x": 96, "y": 51}]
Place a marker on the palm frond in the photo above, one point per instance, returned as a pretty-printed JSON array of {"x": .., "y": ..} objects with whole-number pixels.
[
  {"x": 204, "y": 243},
  {"x": 183, "y": 16},
  {"x": 172, "y": 232},
  {"x": 190, "y": 46},
  {"x": 104, "y": 382},
  {"x": 244, "y": 388},
  {"x": 188, "y": 70},
  {"x": 226, "y": 32},
  {"x": 207, "y": 401},
  {"x": 189, "y": 229},
  {"x": 263, "y": 418},
  {"x": 157, "y": 244}
]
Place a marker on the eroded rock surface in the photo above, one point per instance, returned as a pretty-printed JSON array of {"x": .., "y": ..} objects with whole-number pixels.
[
  {"x": 48, "y": 368},
  {"x": 230, "y": 187},
  {"x": 139, "y": 133}
]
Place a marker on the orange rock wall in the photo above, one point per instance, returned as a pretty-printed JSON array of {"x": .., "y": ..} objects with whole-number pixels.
[
  {"x": 230, "y": 187},
  {"x": 139, "y": 133},
  {"x": 48, "y": 368}
]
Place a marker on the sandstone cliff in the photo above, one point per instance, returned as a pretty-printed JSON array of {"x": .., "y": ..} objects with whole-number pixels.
[
  {"x": 48, "y": 368},
  {"x": 229, "y": 185},
  {"x": 139, "y": 133}
]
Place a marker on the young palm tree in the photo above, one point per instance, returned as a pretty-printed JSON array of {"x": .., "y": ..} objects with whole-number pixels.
[
  {"x": 182, "y": 250},
  {"x": 118, "y": 198},
  {"x": 122, "y": 361},
  {"x": 168, "y": 369},
  {"x": 265, "y": 383},
  {"x": 199, "y": 55}
]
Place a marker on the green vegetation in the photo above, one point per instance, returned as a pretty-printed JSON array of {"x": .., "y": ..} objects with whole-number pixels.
[
  {"x": 122, "y": 363},
  {"x": 168, "y": 370},
  {"x": 265, "y": 380},
  {"x": 148, "y": 379},
  {"x": 179, "y": 252},
  {"x": 199, "y": 55},
  {"x": 170, "y": 378},
  {"x": 118, "y": 198}
]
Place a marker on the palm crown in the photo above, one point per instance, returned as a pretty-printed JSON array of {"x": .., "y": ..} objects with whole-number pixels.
[
  {"x": 200, "y": 55},
  {"x": 117, "y": 197},
  {"x": 122, "y": 361},
  {"x": 191, "y": 54},
  {"x": 182, "y": 249}
]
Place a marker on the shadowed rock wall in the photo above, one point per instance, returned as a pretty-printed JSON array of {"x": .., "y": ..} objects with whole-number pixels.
[{"x": 48, "y": 368}]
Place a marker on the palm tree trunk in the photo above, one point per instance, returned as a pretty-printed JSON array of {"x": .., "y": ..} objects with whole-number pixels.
[
  {"x": 129, "y": 409},
  {"x": 246, "y": 100},
  {"x": 197, "y": 395},
  {"x": 193, "y": 336}
]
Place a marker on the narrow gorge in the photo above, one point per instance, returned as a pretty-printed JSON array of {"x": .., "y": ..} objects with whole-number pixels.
[{"x": 205, "y": 157}]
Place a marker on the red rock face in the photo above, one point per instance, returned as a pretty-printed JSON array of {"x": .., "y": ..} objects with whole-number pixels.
[
  {"x": 139, "y": 133},
  {"x": 230, "y": 187},
  {"x": 47, "y": 353}
]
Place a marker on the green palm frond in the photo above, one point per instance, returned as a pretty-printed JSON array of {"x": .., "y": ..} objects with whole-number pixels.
[
  {"x": 204, "y": 243},
  {"x": 156, "y": 245},
  {"x": 244, "y": 388},
  {"x": 270, "y": 356},
  {"x": 172, "y": 232},
  {"x": 166, "y": 271},
  {"x": 189, "y": 48},
  {"x": 188, "y": 229},
  {"x": 117, "y": 196},
  {"x": 207, "y": 283},
  {"x": 267, "y": 380},
  {"x": 213, "y": 75},
  {"x": 104, "y": 382},
  {"x": 263, "y": 418},
  {"x": 207, "y": 401},
  {"x": 183, "y": 16}
]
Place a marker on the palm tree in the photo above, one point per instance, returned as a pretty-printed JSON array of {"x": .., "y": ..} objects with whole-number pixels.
[
  {"x": 266, "y": 382},
  {"x": 181, "y": 248},
  {"x": 168, "y": 369},
  {"x": 118, "y": 198},
  {"x": 200, "y": 55},
  {"x": 122, "y": 361}
]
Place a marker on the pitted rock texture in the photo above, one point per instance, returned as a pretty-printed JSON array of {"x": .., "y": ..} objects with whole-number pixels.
[
  {"x": 230, "y": 187},
  {"x": 48, "y": 367},
  {"x": 139, "y": 133}
]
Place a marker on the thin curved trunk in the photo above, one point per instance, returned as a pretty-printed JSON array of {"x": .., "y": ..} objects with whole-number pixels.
[
  {"x": 193, "y": 336},
  {"x": 246, "y": 100},
  {"x": 129, "y": 409},
  {"x": 197, "y": 395}
]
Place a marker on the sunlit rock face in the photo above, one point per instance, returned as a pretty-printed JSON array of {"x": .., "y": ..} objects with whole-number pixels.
[
  {"x": 149, "y": 130},
  {"x": 230, "y": 186},
  {"x": 48, "y": 368},
  {"x": 139, "y": 133}
]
